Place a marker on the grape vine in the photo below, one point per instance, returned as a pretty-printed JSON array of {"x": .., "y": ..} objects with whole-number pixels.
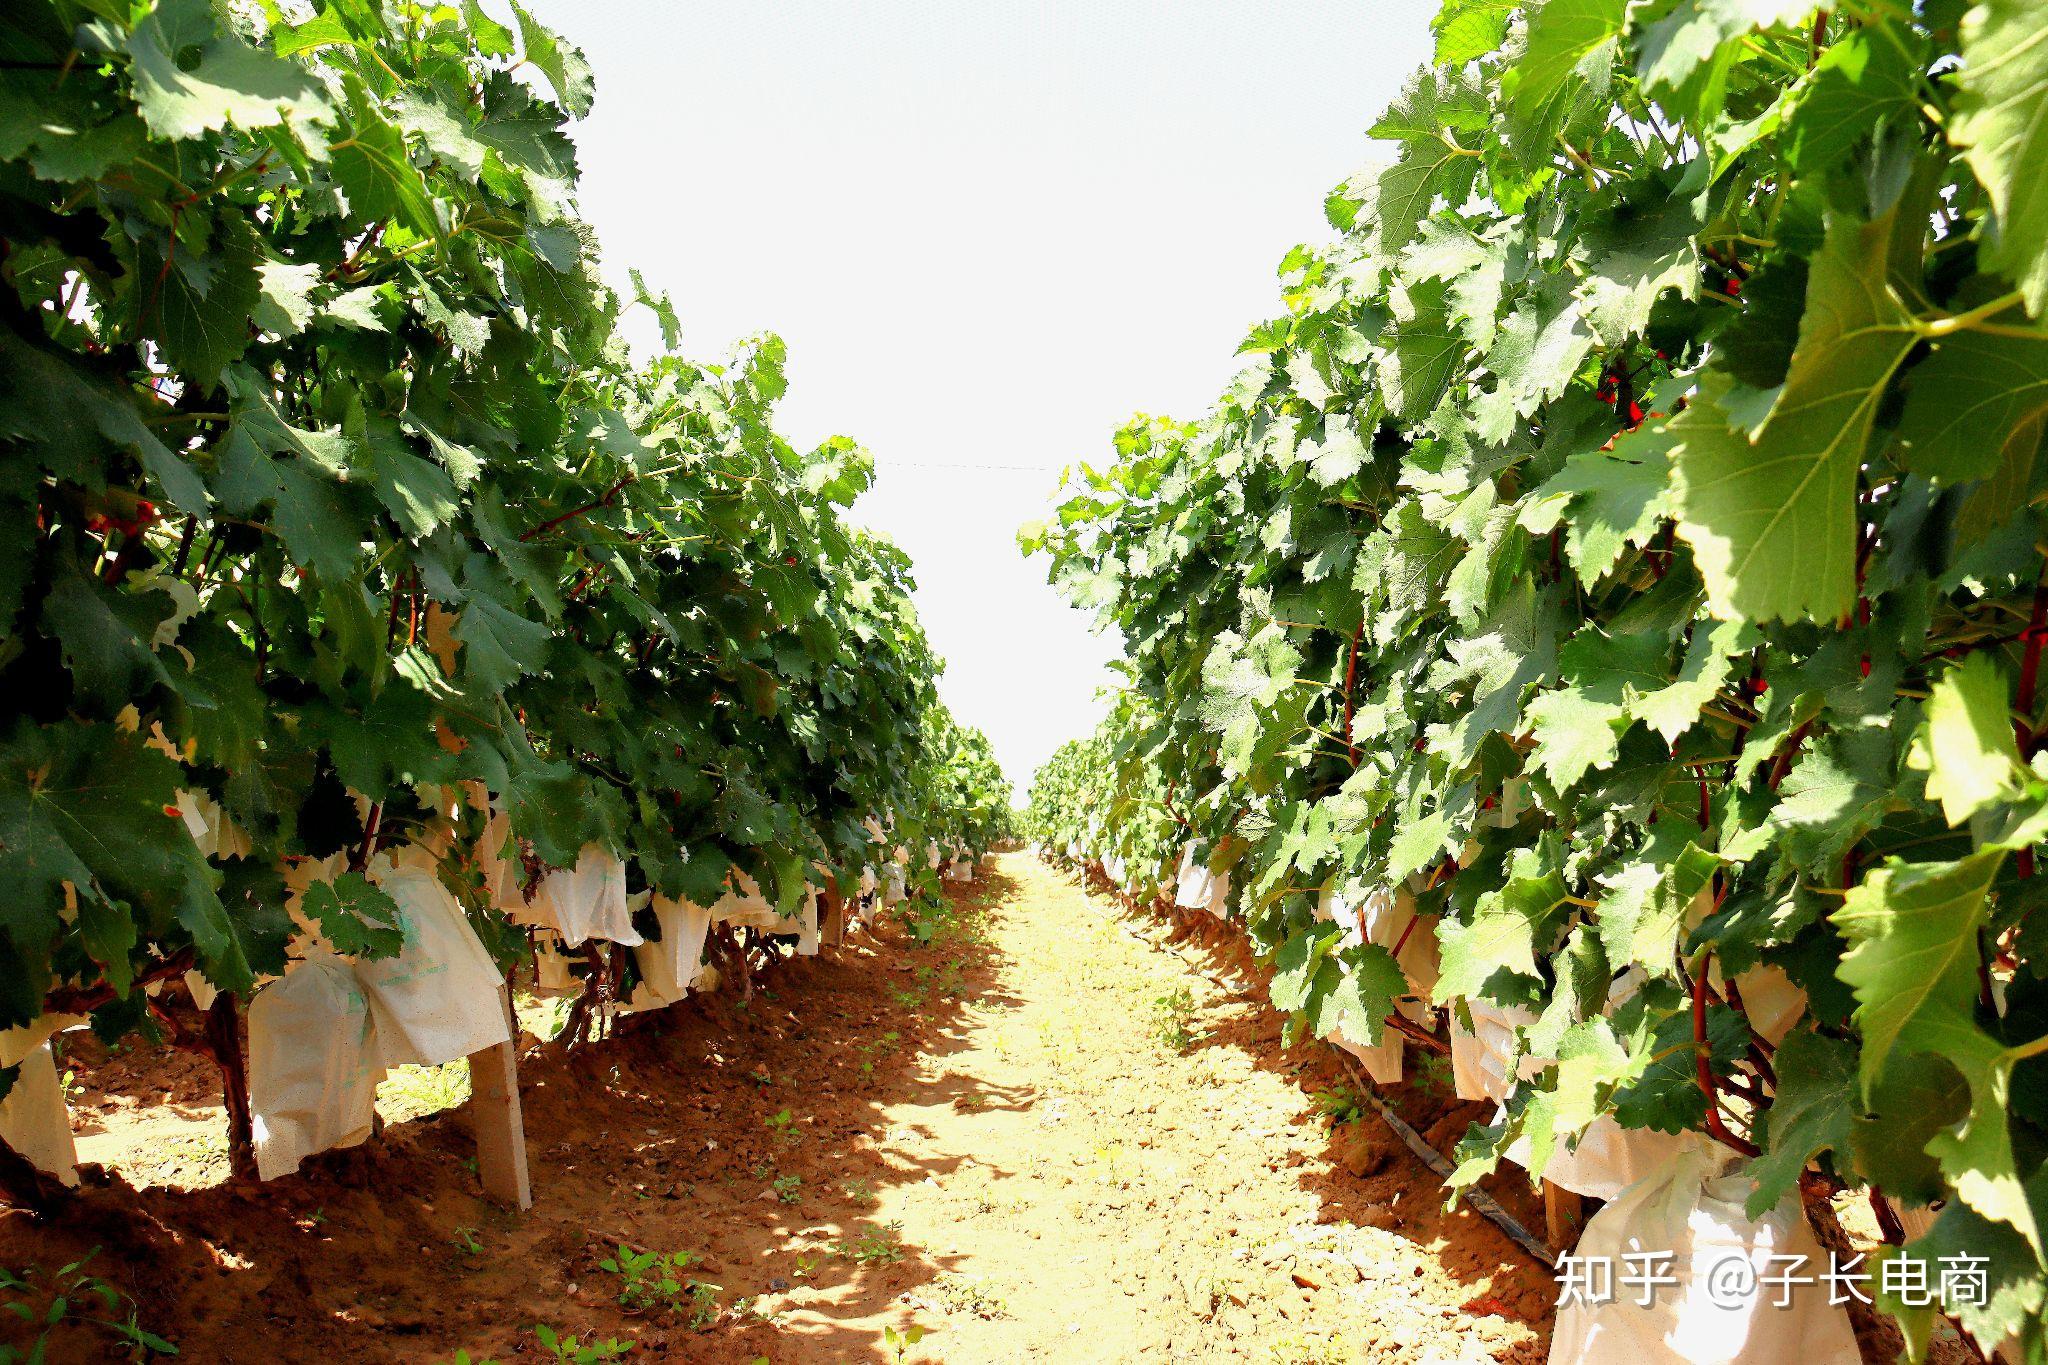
[
  {"x": 1629, "y": 537},
  {"x": 330, "y": 489}
]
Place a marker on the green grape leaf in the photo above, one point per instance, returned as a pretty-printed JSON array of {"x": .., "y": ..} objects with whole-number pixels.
[
  {"x": 1567, "y": 40},
  {"x": 192, "y": 78},
  {"x": 1467, "y": 30},
  {"x": 1773, "y": 521},
  {"x": 1966, "y": 747},
  {"x": 1579, "y": 727},
  {"x": 1912, "y": 962},
  {"x": 202, "y": 311},
  {"x": 1971, "y": 402},
  {"x": 1810, "y": 1113},
  {"x": 2014, "y": 1292},
  {"x": 1605, "y": 500},
  {"x": 1423, "y": 351},
  {"x": 1590, "y": 1063},
  {"x": 1506, "y": 929},
  {"x": 2001, "y": 125},
  {"x": 1866, "y": 78},
  {"x": 1710, "y": 662},
  {"x": 1647, "y": 904},
  {"x": 93, "y": 808},
  {"x": 47, "y": 395},
  {"x": 563, "y": 65},
  {"x": 358, "y": 917},
  {"x": 1666, "y": 1096},
  {"x": 284, "y": 304},
  {"x": 1915, "y": 1098},
  {"x": 374, "y": 168},
  {"x": 107, "y": 636}
]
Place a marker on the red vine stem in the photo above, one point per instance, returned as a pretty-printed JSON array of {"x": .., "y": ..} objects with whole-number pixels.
[
  {"x": 86, "y": 999},
  {"x": 2030, "y": 673},
  {"x": 1402, "y": 941},
  {"x": 1703, "y": 1067},
  {"x": 361, "y": 859},
  {"x": 2030, "y": 668},
  {"x": 1783, "y": 762},
  {"x": 1417, "y": 1034},
  {"x": 1888, "y": 1224},
  {"x": 1178, "y": 818},
  {"x": 552, "y": 522}
]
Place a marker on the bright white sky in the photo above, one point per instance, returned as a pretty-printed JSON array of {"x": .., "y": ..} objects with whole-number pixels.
[{"x": 989, "y": 232}]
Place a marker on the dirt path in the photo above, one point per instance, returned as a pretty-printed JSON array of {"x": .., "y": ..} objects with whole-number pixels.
[
  {"x": 1114, "y": 1194},
  {"x": 1038, "y": 1137}
]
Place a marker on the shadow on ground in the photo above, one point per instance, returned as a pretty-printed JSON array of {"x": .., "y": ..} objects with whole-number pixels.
[
  {"x": 752, "y": 1137},
  {"x": 1369, "y": 1177}
]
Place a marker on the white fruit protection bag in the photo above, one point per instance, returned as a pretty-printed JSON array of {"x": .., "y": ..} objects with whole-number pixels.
[
  {"x": 440, "y": 998},
  {"x": 551, "y": 974},
  {"x": 1605, "y": 1158},
  {"x": 503, "y": 872},
  {"x": 807, "y": 936},
  {"x": 314, "y": 1064},
  {"x": 202, "y": 990},
  {"x": 673, "y": 964},
  {"x": 1689, "y": 1209},
  {"x": 33, "y": 1119},
  {"x": 744, "y": 905},
  {"x": 583, "y": 902},
  {"x": 1601, "y": 1161},
  {"x": 1389, "y": 920},
  {"x": 1197, "y": 888},
  {"x": 212, "y": 832},
  {"x": 1479, "y": 1055}
]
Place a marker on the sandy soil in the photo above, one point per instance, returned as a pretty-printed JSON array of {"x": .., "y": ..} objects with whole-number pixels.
[{"x": 1047, "y": 1135}]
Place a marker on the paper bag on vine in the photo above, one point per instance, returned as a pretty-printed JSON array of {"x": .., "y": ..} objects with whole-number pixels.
[
  {"x": 440, "y": 997},
  {"x": 33, "y": 1119},
  {"x": 314, "y": 1064},
  {"x": 1694, "y": 1279}
]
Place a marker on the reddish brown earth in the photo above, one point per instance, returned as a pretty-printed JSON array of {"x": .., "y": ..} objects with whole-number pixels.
[{"x": 997, "y": 1138}]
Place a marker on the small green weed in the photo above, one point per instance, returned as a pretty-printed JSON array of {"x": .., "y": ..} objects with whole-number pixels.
[
  {"x": 1339, "y": 1104},
  {"x": 703, "y": 1304},
  {"x": 576, "y": 1351},
  {"x": 46, "y": 1302},
  {"x": 1432, "y": 1074},
  {"x": 874, "y": 1246},
  {"x": 1173, "y": 1017},
  {"x": 902, "y": 1341},
  {"x": 650, "y": 1279}
]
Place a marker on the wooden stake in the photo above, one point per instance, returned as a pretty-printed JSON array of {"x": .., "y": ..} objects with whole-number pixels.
[
  {"x": 1563, "y": 1217},
  {"x": 495, "y": 1118},
  {"x": 832, "y": 915}
]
